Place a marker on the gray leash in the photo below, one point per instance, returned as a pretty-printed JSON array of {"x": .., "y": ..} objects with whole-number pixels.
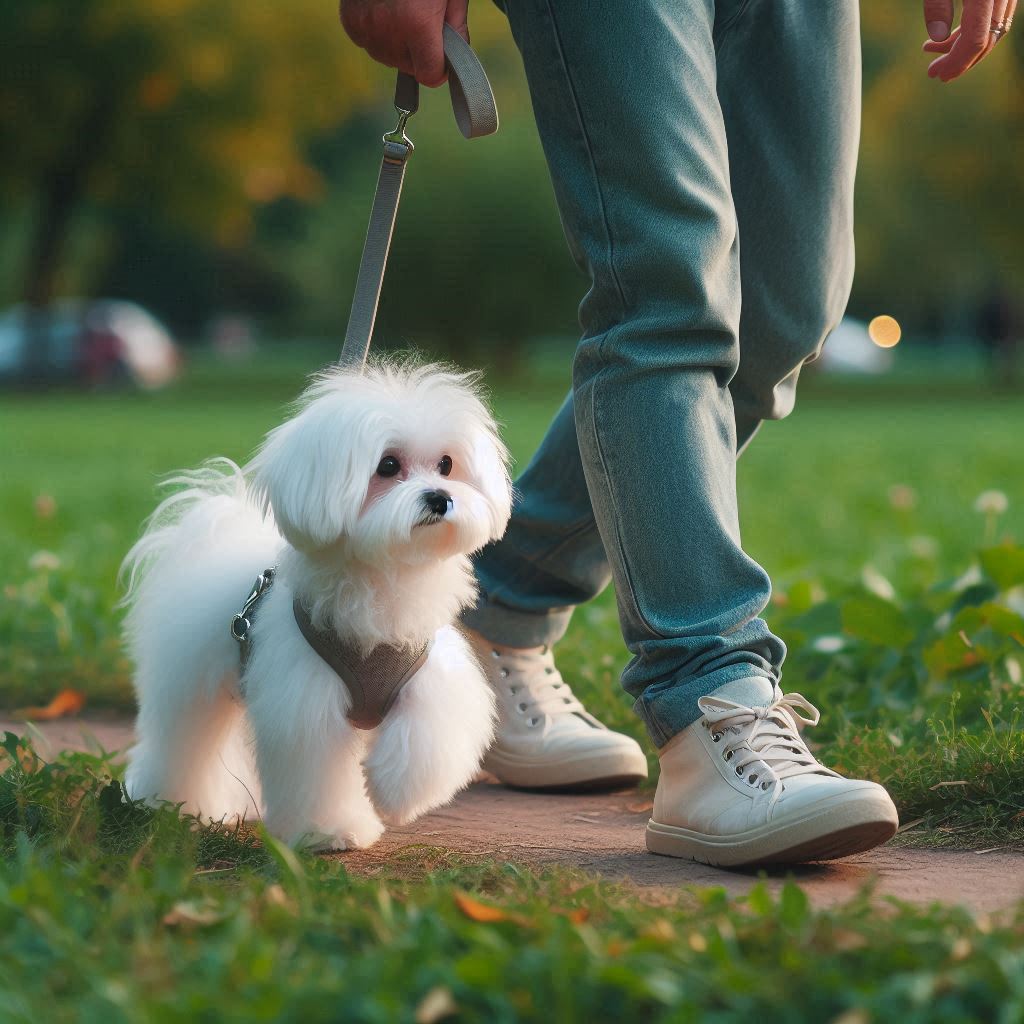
[{"x": 475, "y": 114}]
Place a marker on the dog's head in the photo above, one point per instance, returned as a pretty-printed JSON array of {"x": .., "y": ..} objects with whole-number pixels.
[{"x": 400, "y": 463}]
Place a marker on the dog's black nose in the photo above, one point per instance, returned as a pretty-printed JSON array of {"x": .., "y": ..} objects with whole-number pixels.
[{"x": 439, "y": 502}]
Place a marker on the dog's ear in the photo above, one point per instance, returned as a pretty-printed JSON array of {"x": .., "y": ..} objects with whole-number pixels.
[
  {"x": 313, "y": 472},
  {"x": 488, "y": 467}
]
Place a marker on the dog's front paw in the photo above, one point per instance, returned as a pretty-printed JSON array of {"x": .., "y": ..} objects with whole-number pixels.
[{"x": 351, "y": 834}]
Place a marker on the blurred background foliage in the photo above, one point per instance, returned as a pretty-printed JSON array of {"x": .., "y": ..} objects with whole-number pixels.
[{"x": 220, "y": 159}]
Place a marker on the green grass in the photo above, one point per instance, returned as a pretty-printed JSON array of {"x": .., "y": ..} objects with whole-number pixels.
[
  {"x": 860, "y": 505},
  {"x": 115, "y": 913},
  {"x": 901, "y": 605}
]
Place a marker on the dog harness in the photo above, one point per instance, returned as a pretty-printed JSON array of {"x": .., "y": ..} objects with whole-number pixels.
[{"x": 373, "y": 680}]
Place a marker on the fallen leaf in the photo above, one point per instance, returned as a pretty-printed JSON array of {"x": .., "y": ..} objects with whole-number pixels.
[
  {"x": 941, "y": 785},
  {"x": 577, "y": 916},
  {"x": 437, "y": 1004},
  {"x": 46, "y": 506},
  {"x": 477, "y": 911},
  {"x": 67, "y": 702},
  {"x": 189, "y": 914},
  {"x": 640, "y": 808}
]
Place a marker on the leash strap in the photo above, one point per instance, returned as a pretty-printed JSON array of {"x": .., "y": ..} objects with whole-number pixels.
[{"x": 475, "y": 114}]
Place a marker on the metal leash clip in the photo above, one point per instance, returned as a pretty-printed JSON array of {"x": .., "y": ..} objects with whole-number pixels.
[
  {"x": 397, "y": 135},
  {"x": 240, "y": 623}
]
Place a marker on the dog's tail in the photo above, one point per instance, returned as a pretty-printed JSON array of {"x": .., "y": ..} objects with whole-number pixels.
[{"x": 202, "y": 501}]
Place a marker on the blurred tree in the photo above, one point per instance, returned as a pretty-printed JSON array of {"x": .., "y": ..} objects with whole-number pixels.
[
  {"x": 226, "y": 154},
  {"x": 479, "y": 263},
  {"x": 940, "y": 196},
  {"x": 192, "y": 110}
]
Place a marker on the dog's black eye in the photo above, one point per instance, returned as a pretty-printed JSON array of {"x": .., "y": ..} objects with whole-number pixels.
[
  {"x": 389, "y": 466},
  {"x": 444, "y": 467}
]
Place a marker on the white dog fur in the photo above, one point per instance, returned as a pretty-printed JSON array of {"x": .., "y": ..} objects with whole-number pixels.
[{"x": 359, "y": 551}]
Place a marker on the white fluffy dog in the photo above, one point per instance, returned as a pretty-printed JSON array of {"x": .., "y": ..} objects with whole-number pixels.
[{"x": 368, "y": 502}]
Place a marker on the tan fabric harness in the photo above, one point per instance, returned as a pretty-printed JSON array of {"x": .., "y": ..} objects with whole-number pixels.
[{"x": 373, "y": 680}]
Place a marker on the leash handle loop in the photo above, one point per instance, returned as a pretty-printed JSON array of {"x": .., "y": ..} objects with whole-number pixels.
[{"x": 476, "y": 116}]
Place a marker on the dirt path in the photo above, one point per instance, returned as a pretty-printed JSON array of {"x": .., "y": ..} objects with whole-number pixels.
[{"x": 605, "y": 834}]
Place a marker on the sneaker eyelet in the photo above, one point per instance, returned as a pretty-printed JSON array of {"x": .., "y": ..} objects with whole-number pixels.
[
  {"x": 522, "y": 707},
  {"x": 495, "y": 654},
  {"x": 728, "y": 755},
  {"x": 549, "y": 671},
  {"x": 504, "y": 673},
  {"x": 716, "y": 737},
  {"x": 534, "y": 721},
  {"x": 752, "y": 780},
  {"x": 739, "y": 770},
  {"x": 764, "y": 785}
]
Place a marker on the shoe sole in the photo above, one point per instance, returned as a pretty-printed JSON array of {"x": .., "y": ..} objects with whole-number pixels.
[
  {"x": 579, "y": 774},
  {"x": 826, "y": 831}
]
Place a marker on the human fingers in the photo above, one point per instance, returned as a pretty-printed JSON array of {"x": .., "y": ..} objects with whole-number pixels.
[
  {"x": 1008, "y": 14},
  {"x": 944, "y": 45},
  {"x": 427, "y": 49},
  {"x": 972, "y": 43},
  {"x": 938, "y": 18},
  {"x": 996, "y": 28},
  {"x": 456, "y": 15},
  {"x": 403, "y": 34}
]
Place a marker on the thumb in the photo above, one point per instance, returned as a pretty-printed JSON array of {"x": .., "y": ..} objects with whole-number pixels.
[
  {"x": 938, "y": 18},
  {"x": 456, "y": 14}
]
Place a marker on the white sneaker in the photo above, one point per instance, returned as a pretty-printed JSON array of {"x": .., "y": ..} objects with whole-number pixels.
[
  {"x": 545, "y": 738},
  {"x": 739, "y": 787}
]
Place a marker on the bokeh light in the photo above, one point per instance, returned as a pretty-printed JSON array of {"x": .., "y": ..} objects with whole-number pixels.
[{"x": 884, "y": 331}]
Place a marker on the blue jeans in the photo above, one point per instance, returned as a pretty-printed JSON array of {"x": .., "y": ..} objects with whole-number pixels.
[{"x": 699, "y": 151}]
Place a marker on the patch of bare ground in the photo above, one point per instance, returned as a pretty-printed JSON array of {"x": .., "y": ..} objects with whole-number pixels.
[{"x": 604, "y": 834}]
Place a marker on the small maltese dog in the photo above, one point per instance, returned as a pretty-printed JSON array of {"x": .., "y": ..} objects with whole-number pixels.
[{"x": 367, "y": 504}]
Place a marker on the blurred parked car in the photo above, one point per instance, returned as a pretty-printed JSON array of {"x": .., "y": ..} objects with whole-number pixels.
[{"x": 99, "y": 343}]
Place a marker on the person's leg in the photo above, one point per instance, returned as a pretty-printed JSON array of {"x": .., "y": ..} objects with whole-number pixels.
[
  {"x": 792, "y": 157},
  {"x": 551, "y": 558},
  {"x": 626, "y": 99},
  {"x": 789, "y": 83},
  {"x": 640, "y": 166},
  {"x": 740, "y": 786}
]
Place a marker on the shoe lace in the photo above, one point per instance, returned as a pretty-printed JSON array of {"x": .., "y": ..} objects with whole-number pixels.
[
  {"x": 766, "y": 739},
  {"x": 535, "y": 683}
]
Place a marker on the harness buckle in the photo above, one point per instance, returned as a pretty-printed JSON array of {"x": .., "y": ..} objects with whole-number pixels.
[{"x": 240, "y": 622}]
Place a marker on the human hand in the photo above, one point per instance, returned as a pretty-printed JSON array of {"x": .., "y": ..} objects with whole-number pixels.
[
  {"x": 405, "y": 34},
  {"x": 982, "y": 24}
]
